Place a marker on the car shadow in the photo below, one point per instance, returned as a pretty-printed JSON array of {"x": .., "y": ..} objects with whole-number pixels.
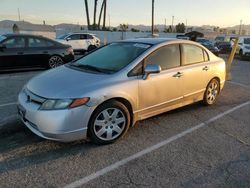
[{"x": 20, "y": 148}]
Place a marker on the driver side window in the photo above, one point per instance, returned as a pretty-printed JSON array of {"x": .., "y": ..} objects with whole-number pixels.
[
  {"x": 17, "y": 42},
  {"x": 167, "y": 57}
]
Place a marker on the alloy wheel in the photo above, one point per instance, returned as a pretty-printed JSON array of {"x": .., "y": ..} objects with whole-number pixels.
[
  {"x": 109, "y": 124},
  {"x": 212, "y": 92},
  {"x": 55, "y": 61}
]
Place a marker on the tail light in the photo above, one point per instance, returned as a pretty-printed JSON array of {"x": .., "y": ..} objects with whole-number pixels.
[{"x": 69, "y": 51}]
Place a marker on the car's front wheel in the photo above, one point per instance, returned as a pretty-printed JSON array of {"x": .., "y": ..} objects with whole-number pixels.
[
  {"x": 109, "y": 122},
  {"x": 55, "y": 61},
  {"x": 212, "y": 92}
]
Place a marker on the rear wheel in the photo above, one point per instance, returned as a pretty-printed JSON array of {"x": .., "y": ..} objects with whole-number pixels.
[
  {"x": 109, "y": 123},
  {"x": 55, "y": 61},
  {"x": 241, "y": 55},
  {"x": 212, "y": 92},
  {"x": 91, "y": 48}
]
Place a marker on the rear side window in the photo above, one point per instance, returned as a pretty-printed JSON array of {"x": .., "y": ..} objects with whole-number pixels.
[
  {"x": 16, "y": 42},
  {"x": 90, "y": 37},
  {"x": 167, "y": 57},
  {"x": 83, "y": 37},
  {"x": 192, "y": 54},
  {"x": 74, "y": 37},
  {"x": 37, "y": 42}
]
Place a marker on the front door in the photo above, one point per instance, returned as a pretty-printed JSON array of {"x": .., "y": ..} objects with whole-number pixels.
[
  {"x": 12, "y": 56},
  {"x": 161, "y": 92}
]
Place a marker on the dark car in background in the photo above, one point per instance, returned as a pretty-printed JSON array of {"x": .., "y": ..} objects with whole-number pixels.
[
  {"x": 23, "y": 51},
  {"x": 209, "y": 45},
  {"x": 224, "y": 47}
]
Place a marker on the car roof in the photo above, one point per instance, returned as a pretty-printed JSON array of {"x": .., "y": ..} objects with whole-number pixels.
[
  {"x": 151, "y": 41},
  {"x": 21, "y": 34},
  {"x": 81, "y": 33}
]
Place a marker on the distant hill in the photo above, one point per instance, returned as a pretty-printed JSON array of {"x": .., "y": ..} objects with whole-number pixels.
[
  {"x": 27, "y": 26},
  {"x": 65, "y": 26}
]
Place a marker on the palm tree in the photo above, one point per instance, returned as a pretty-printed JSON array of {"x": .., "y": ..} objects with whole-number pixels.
[
  {"x": 87, "y": 13},
  {"x": 95, "y": 7}
]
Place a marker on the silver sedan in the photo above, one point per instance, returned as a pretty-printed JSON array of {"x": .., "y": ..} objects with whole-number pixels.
[{"x": 104, "y": 93}]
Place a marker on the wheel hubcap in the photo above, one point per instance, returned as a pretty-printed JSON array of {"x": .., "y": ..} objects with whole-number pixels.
[
  {"x": 212, "y": 92},
  {"x": 109, "y": 124},
  {"x": 55, "y": 61}
]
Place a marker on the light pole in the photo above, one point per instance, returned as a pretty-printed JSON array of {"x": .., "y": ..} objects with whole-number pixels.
[{"x": 152, "y": 29}]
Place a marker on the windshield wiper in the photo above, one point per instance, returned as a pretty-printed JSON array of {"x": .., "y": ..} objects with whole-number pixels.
[{"x": 90, "y": 67}]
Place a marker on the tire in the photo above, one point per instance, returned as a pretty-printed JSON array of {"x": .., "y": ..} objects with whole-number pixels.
[
  {"x": 109, "y": 122},
  {"x": 241, "y": 55},
  {"x": 212, "y": 92},
  {"x": 91, "y": 48},
  {"x": 55, "y": 61}
]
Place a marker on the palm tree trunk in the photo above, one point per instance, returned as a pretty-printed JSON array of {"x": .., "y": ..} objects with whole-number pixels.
[
  {"x": 95, "y": 13},
  {"x": 104, "y": 15},
  {"x": 87, "y": 13}
]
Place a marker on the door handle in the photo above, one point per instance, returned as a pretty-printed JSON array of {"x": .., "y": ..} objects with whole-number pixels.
[
  {"x": 205, "y": 68},
  {"x": 19, "y": 53},
  {"x": 178, "y": 75},
  {"x": 45, "y": 52}
]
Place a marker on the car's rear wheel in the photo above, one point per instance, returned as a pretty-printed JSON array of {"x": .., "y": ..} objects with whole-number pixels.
[
  {"x": 212, "y": 92},
  {"x": 55, "y": 61},
  {"x": 109, "y": 123},
  {"x": 91, "y": 48},
  {"x": 241, "y": 55}
]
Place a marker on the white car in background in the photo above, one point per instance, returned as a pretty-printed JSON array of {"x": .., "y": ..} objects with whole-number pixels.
[
  {"x": 80, "y": 42},
  {"x": 243, "y": 49}
]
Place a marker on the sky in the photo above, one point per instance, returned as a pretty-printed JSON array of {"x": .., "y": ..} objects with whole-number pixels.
[{"x": 223, "y": 13}]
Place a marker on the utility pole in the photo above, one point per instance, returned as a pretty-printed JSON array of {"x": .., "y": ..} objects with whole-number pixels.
[
  {"x": 172, "y": 23},
  {"x": 109, "y": 21},
  {"x": 19, "y": 17},
  {"x": 87, "y": 13},
  {"x": 165, "y": 22},
  {"x": 152, "y": 29},
  {"x": 240, "y": 27}
]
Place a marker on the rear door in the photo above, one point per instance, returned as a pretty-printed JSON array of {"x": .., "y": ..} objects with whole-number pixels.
[
  {"x": 195, "y": 67},
  {"x": 13, "y": 55},
  {"x": 86, "y": 40},
  {"x": 38, "y": 51},
  {"x": 74, "y": 41}
]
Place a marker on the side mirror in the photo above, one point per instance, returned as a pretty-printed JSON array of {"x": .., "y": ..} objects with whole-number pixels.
[
  {"x": 2, "y": 46},
  {"x": 67, "y": 39},
  {"x": 151, "y": 69}
]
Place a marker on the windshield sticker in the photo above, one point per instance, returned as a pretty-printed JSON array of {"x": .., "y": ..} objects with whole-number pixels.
[{"x": 141, "y": 45}]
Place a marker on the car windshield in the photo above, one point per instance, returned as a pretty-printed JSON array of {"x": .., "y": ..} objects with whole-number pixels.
[
  {"x": 2, "y": 38},
  {"x": 247, "y": 41},
  {"x": 111, "y": 58},
  {"x": 62, "y": 36},
  {"x": 219, "y": 38}
]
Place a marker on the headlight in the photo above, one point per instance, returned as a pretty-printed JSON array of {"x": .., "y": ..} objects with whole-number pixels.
[{"x": 63, "y": 103}]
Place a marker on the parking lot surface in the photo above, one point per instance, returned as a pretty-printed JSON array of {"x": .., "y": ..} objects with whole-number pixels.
[{"x": 194, "y": 146}]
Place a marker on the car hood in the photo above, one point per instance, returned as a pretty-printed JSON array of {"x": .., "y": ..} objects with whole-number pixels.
[{"x": 64, "y": 82}]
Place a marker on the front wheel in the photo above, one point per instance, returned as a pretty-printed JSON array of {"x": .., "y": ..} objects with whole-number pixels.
[
  {"x": 55, "y": 61},
  {"x": 109, "y": 123},
  {"x": 212, "y": 92}
]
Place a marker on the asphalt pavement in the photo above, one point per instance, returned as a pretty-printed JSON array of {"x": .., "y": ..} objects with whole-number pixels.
[{"x": 194, "y": 146}]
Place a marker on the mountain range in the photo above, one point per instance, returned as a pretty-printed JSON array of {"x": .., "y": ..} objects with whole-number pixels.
[{"x": 43, "y": 27}]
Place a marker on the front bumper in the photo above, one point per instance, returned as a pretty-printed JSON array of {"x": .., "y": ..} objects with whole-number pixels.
[{"x": 59, "y": 125}]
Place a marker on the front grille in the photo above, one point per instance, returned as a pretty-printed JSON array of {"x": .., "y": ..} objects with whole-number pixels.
[{"x": 31, "y": 97}]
